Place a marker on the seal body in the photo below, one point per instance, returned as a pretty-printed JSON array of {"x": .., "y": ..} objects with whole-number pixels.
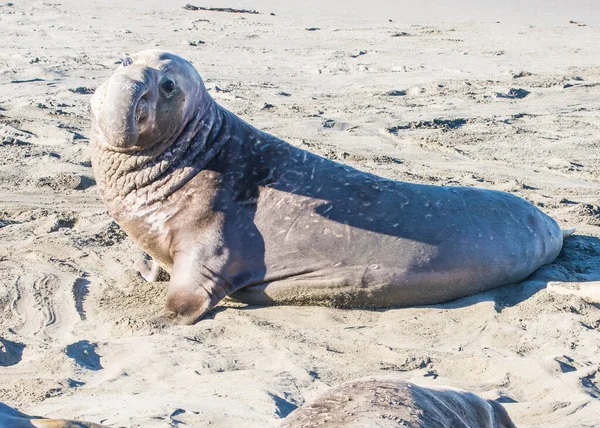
[
  {"x": 231, "y": 210},
  {"x": 12, "y": 418},
  {"x": 387, "y": 402}
]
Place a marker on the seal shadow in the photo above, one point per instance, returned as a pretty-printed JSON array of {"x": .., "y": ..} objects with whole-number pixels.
[
  {"x": 241, "y": 231},
  {"x": 241, "y": 187},
  {"x": 578, "y": 262}
]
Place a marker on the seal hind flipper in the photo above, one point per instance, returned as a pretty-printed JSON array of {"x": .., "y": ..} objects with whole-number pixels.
[{"x": 568, "y": 232}]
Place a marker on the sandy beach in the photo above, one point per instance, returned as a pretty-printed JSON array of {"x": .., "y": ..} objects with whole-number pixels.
[{"x": 453, "y": 94}]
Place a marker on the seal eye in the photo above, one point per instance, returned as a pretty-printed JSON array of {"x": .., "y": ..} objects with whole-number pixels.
[{"x": 168, "y": 86}]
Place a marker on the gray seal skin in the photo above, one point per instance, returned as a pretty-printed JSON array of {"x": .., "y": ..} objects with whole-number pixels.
[
  {"x": 230, "y": 210},
  {"x": 385, "y": 402}
]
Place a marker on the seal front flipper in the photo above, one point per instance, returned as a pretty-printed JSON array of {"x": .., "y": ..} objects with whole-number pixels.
[
  {"x": 148, "y": 269},
  {"x": 192, "y": 292}
]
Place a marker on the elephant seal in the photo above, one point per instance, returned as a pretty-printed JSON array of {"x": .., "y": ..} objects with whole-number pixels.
[
  {"x": 230, "y": 210},
  {"x": 385, "y": 402},
  {"x": 12, "y": 418}
]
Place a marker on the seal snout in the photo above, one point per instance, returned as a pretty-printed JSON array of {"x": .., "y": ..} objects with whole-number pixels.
[{"x": 126, "y": 109}]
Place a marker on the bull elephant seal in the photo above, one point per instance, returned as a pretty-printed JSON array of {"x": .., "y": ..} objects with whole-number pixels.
[
  {"x": 383, "y": 402},
  {"x": 12, "y": 418},
  {"x": 230, "y": 210}
]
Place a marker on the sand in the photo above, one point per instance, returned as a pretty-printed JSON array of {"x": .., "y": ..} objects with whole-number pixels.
[{"x": 511, "y": 105}]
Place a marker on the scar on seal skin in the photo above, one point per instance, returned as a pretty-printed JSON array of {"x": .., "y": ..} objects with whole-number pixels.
[
  {"x": 229, "y": 210},
  {"x": 385, "y": 402}
]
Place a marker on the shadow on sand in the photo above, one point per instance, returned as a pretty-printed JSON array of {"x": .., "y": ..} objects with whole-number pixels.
[{"x": 10, "y": 352}]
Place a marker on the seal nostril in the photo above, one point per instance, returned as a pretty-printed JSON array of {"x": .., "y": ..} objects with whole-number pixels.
[
  {"x": 141, "y": 112},
  {"x": 142, "y": 109},
  {"x": 142, "y": 115}
]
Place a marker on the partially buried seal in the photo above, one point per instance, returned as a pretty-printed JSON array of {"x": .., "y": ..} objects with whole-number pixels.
[
  {"x": 12, "y": 418},
  {"x": 387, "y": 402},
  {"x": 230, "y": 210}
]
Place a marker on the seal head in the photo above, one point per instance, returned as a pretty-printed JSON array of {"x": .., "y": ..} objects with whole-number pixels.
[
  {"x": 149, "y": 122},
  {"x": 146, "y": 102}
]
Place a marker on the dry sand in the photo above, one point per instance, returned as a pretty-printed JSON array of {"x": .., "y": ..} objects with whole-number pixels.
[{"x": 513, "y": 106}]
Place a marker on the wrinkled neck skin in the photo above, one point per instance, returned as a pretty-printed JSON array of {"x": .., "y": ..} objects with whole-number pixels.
[{"x": 133, "y": 184}]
